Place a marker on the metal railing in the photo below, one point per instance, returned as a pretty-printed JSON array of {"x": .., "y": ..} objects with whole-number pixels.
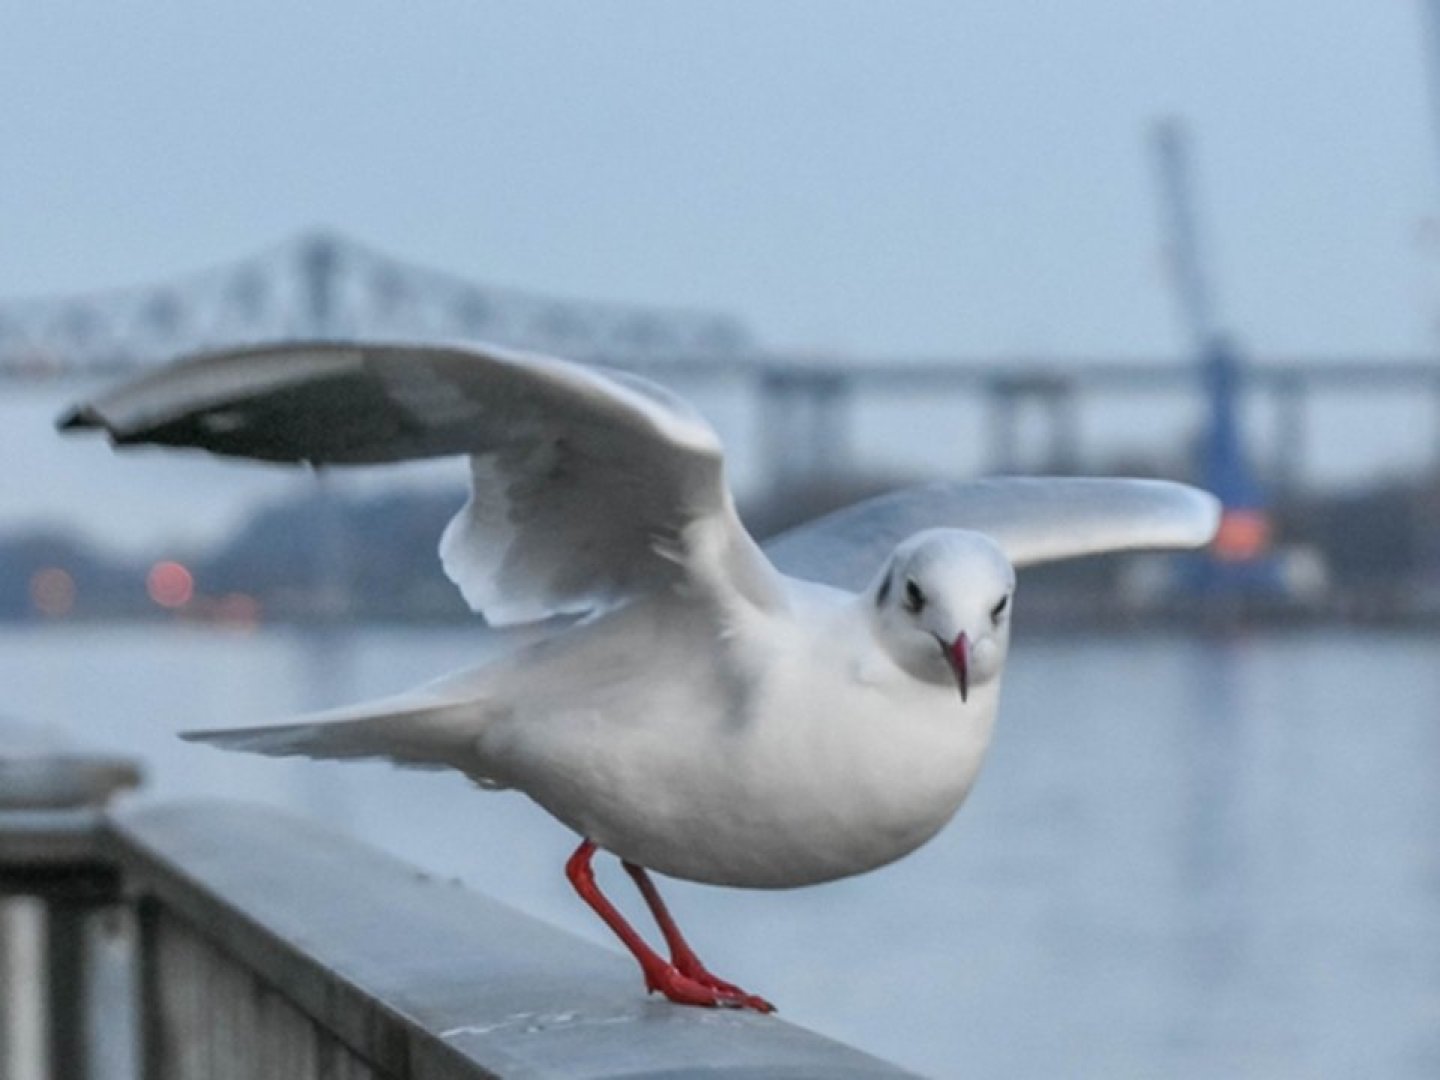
[{"x": 215, "y": 940}]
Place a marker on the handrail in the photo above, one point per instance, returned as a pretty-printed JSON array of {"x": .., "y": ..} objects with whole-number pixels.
[{"x": 271, "y": 947}]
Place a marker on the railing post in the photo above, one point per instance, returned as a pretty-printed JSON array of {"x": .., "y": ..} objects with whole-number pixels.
[
  {"x": 24, "y": 1042},
  {"x": 60, "y": 921}
]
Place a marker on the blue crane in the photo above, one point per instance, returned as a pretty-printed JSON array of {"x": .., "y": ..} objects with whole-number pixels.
[{"x": 1241, "y": 561}]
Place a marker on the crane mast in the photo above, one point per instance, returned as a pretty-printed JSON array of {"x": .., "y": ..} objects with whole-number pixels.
[{"x": 1240, "y": 555}]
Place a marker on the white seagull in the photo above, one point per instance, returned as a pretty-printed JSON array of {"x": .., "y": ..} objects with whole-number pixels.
[{"x": 697, "y": 705}]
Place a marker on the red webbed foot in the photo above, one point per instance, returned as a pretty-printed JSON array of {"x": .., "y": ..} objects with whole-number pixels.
[
  {"x": 700, "y": 988},
  {"x": 689, "y": 965}
]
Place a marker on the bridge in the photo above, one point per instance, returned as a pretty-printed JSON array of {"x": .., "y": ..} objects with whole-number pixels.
[{"x": 327, "y": 286}]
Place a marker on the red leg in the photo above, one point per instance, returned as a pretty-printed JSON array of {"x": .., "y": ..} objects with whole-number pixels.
[
  {"x": 659, "y": 975},
  {"x": 681, "y": 955}
]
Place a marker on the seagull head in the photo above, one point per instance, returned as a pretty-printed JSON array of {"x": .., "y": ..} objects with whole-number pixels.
[{"x": 942, "y": 607}]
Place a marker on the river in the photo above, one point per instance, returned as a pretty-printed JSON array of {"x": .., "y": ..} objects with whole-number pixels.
[{"x": 1186, "y": 857}]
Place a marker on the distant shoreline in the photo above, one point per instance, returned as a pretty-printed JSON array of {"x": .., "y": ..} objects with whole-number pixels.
[{"x": 1043, "y": 617}]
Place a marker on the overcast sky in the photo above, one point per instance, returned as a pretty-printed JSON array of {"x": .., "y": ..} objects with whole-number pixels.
[{"x": 949, "y": 177}]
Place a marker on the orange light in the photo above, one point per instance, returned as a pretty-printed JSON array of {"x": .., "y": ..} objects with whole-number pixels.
[
  {"x": 170, "y": 585},
  {"x": 240, "y": 610},
  {"x": 52, "y": 591},
  {"x": 1243, "y": 534}
]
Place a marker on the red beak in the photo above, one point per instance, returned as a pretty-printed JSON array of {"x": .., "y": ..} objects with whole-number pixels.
[{"x": 959, "y": 656}]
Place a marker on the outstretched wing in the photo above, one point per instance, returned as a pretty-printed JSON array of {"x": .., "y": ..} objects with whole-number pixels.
[
  {"x": 588, "y": 486},
  {"x": 1034, "y": 520}
]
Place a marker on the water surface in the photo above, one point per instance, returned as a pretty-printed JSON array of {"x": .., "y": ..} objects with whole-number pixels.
[{"x": 1185, "y": 857}]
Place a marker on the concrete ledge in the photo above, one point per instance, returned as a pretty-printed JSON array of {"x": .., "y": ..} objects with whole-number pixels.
[
  {"x": 424, "y": 979},
  {"x": 56, "y": 854},
  {"x": 55, "y": 781}
]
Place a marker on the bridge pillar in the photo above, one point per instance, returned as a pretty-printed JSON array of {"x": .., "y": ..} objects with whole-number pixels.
[
  {"x": 1002, "y": 407},
  {"x": 1006, "y": 399},
  {"x": 1291, "y": 434},
  {"x": 319, "y": 269},
  {"x": 334, "y": 584},
  {"x": 805, "y": 425},
  {"x": 1435, "y": 451},
  {"x": 1064, "y": 412}
]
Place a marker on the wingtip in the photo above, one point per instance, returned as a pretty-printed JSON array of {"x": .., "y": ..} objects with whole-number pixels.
[
  {"x": 79, "y": 418},
  {"x": 1193, "y": 516},
  {"x": 1214, "y": 510}
]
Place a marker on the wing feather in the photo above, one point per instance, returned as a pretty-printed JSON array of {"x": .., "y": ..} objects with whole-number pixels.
[
  {"x": 585, "y": 482},
  {"x": 1032, "y": 519}
]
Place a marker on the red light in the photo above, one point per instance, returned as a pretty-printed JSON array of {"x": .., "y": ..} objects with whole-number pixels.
[
  {"x": 52, "y": 591},
  {"x": 170, "y": 585}
]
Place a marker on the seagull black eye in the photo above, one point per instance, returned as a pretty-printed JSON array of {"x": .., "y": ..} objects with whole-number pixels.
[
  {"x": 914, "y": 598},
  {"x": 999, "y": 609}
]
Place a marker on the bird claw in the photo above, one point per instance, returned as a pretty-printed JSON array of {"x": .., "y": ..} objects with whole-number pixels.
[
  {"x": 691, "y": 968},
  {"x": 701, "y": 989}
]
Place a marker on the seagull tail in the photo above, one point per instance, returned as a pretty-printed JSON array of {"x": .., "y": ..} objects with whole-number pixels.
[{"x": 418, "y": 731}]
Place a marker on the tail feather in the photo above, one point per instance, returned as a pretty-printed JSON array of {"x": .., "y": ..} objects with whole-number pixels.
[{"x": 420, "y": 731}]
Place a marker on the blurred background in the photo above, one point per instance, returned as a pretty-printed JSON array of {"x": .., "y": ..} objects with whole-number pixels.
[{"x": 874, "y": 244}]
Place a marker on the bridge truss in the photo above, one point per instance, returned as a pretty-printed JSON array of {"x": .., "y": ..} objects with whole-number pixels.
[{"x": 324, "y": 285}]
